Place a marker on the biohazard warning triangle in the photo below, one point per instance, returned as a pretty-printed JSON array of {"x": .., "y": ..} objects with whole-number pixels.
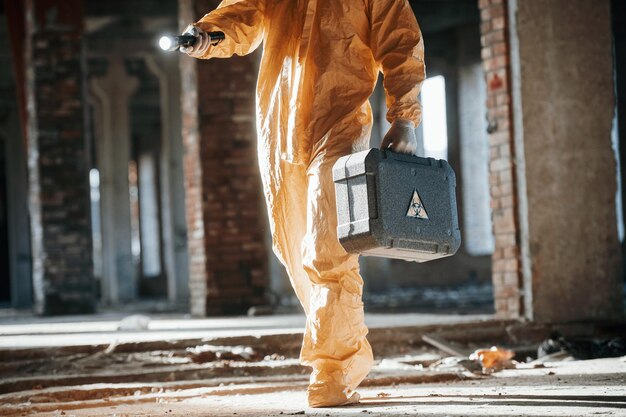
[{"x": 416, "y": 208}]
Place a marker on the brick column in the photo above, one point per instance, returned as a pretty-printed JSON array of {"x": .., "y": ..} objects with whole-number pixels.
[
  {"x": 227, "y": 253},
  {"x": 57, "y": 158},
  {"x": 507, "y": 282}
]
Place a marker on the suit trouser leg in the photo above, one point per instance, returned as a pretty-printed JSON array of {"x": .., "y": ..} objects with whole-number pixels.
[{"x": 335, "y": 343}]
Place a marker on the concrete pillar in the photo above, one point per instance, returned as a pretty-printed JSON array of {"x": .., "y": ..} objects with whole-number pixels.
[
  {"x": 564, "y": 105},
  {"x": 58, "y": 158},
  {"x": 166, "y": 68},
  {"x": 228, "y": 257},
  {"x": 111, "y": 95},
  {"x": 474, "y": 145}
]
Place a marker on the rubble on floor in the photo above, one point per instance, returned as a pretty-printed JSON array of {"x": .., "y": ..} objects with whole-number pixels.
[{"x": 444, "y": 367}]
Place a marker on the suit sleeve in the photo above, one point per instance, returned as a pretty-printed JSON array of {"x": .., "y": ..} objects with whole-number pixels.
[
  {"x": 398, "y": 48},
  {"x": 242, "y": 22}
]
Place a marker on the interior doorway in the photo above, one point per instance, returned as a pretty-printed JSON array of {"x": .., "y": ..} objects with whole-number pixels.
[{"x": 453, "y": 128}]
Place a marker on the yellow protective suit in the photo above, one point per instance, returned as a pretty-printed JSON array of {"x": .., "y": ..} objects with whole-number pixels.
[{"x": 320, "y": 64}]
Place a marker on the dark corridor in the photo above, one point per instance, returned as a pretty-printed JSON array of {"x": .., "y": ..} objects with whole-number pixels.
[{"x": 5, "y": 281}]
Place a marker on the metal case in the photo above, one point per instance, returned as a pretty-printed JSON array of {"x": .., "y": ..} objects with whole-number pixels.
[{"x": 396, "y": 206}]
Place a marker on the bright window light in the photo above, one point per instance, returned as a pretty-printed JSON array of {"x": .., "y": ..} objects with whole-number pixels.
[{"x": 434, "y": 119}]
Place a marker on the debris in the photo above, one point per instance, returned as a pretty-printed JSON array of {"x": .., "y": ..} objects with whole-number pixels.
[
  {"x": 458, "y": 363},
  {"x": 556, "y": 356},
  {"x": 383, "y": 395},
  {"x": 135, "y": 322},
  {"x": 424, "y": 359},
  {"x": 256, "y": 311},
  {"x": 201, "y": 354},
  {"x": 583, "y": 348},
  {"x": 445, "y": 346},
  {"x": 97, "y": 355},
  {"x": 494, "y": 359},
  {"x": 394, "y": 364},
  {"x": 274, "y": 357},
  {"x": 237, "y": 353},
  {"x": 111, "y": 348},
  {"x": 210, "y": 353}
]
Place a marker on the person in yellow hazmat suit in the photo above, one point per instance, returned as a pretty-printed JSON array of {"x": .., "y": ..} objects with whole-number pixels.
[{"x": 320, "y": 64}]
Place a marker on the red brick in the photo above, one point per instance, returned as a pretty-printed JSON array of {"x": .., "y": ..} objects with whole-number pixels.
[
  {"x": 485, "y": 27},
  {"x": 502, "y": 99},
  {"x": 506, "y": 175},
  {"x": 498, "y": 279},
  {"x": 501, "y": 305},
  {"x": 504, "y": 150},
  {"x": 504, "y": 221},
  {"x": 504, "y": 123},
  {"x": 499, "y": 48},
  {"x": 498, "y": 23},
  {"x": 514, "y": 306},
  {"x": 59, "y": 188},
  {"x": 227, "y": 248},
  {"x": 511, "y": 252},
  {"x": 504, "y": 239},
  {"x": 506, "y": 292},
  {"x": 500, "y": 164},
  {"x": 486, "y": 53},
  {"x": 506, "y": 201},
  {"x": 499, "y": 138},
  {"x": 485, "y": 15},
  {"x": 497, "y": 10}
]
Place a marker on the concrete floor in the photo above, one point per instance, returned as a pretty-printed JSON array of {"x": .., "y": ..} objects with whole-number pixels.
[
  {"x": 84, "y": 366},
  {"x": 28, "y": 332},
  {"x": 577, "y": 388}
]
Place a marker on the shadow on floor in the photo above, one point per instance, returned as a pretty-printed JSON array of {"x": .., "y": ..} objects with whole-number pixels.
[{"x": 607, "y": 401}]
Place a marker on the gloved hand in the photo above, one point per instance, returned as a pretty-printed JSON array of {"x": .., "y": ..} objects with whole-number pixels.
[
  {"x": 401, "y": 137},
  {"x": 203, "y": 42}
]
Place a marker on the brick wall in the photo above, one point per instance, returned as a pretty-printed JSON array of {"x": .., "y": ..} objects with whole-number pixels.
[
  {"x": 223, "y": 191},
  {"x": 57, "y": 158},
  {"x": 506, "y": 261}
]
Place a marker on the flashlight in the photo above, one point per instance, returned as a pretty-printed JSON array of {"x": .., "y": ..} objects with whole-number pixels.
[{"x": 172, "y": 43}]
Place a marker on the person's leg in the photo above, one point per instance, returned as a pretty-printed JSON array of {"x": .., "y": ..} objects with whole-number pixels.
[
  {"x": 285, "y": 187},
  {"x": 335, "y": 343}
]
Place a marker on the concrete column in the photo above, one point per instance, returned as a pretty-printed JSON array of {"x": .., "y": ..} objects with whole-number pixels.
[
  {"x": 112, "y": 128},
  {"x": 564, "y": 104},
  {"x": 228, "y": 256},
  {"x": 474, "y": 146},
  {"x": 166, "y": 68},
  {"x": 58, "y": 158}
]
